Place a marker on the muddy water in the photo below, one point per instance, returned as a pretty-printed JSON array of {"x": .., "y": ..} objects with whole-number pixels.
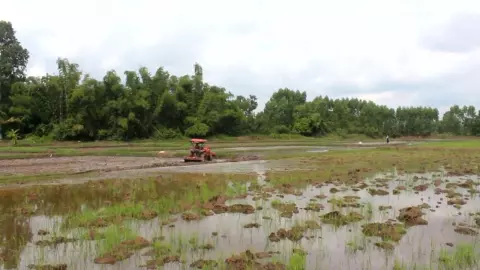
[
  {"x": 330, "y": 247},
  {"x": 235, "y": 167}
]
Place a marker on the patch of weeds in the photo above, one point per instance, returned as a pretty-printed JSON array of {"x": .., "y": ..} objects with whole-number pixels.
[
  {"x": 464, "y": 256},
  {"x": 236, "y": 189},
  {"x": 118, "y": 244},
  {"x": 297, "y": 261},
  {"x": 316, "y": 207},
  {"x": 338, "y": 219},
  {"x": 344, "y": 202},
  {"x": 161, "y": 248},
  {"x": 108, "y": 215},
  {"x": 397, "y": 265},
  {"x": 286, "y": 209}
]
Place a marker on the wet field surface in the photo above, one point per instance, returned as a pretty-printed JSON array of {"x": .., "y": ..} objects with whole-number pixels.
[
  {"x": 112, "y": 163},
  {"x": 78, "y": 170},
  {"x": 388, "y": 221}
]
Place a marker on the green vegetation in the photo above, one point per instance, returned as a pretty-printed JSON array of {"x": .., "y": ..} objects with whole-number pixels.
[
  {"x": 464, "y": 256},
  {"x": 72, "y": 105},
  {"x": 454, "y": 144}
]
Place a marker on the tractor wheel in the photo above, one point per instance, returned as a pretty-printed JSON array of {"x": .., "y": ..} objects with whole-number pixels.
[{"x": 208, "y": 157}]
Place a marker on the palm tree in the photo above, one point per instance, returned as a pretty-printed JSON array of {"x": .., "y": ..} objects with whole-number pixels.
[
  {"x": 12, "y": 134},
  {"x": 8, "y": 121}
]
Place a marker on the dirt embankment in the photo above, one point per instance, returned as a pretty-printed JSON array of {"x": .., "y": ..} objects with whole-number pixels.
[
  {"x": 83, "y": 164},
  {"x": 72, "y": 165}
]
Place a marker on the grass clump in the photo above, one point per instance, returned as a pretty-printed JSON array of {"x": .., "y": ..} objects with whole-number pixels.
[
  {"x": 463, "y": 257},
  {"x": 338, "y": 219},
  {"x": 118, "y": 244},
  {"x": 298, "y": 261}
]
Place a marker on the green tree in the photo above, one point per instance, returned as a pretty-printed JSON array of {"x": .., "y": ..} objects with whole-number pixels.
[
  {"x": 13, "y": 62},
  {"x": 71, "y": 105}
]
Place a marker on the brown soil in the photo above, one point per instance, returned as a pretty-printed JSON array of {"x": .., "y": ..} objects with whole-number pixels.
[
  {"x": 84, "y": 164},
  {"x": 379, "y": 192},
  {"x": 247, "y": 260},
  {"x": 384, "y": 245},
  {"x": 321, "y": 196},
  {"x": 412, "y": 216},
  {"x": 42, "y": 232},
  {"x": 47, "y": 267},
  {"x": 349, "y": 202},
  {"x": 287, "y": 209},
  {"x": 204, "y": 264},
  {"x": 314, "y": 207},
  {"x": 122, "y": 251},
  {"x": 465, "y": 230},
  {"x": 148, "y": 214},
  {"x": 251, "y": 225},
  {"x": 217, "y": 205},
  {"x": 189, "y": 216},
  {"x": 421, "y": 187},
  {"x": 72, "y": 165},
  {"x": 339, "y": 219},
  {"x": 55, "y": 241},
  {"x": 241, "y": 208},
  {"x": 456, "y": 201},
  {"x": 244, "y": 158},
  {"x": 152, "y": 264},
  {"x": 387, "y": 230},
  {"x": 273, "y": 237}
]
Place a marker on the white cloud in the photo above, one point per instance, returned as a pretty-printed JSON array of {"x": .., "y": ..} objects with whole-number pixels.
[{"x": 392, "y": 52}]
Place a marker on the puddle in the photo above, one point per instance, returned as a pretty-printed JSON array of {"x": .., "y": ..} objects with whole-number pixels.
[{"x": 328, "y": 247}]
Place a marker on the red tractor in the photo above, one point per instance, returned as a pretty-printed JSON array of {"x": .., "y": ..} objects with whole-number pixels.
[{"x": 199, "y": 152}]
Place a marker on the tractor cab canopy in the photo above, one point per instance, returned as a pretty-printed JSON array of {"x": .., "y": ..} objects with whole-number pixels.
[{"x": 198, "y": 142}]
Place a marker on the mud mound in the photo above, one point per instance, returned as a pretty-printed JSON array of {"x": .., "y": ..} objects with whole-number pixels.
[
  {"x": 122, "y": 251},
  {"x": 152, "y": 264},
  {"x": 47, "y": 266},
  {"x": 287, "y": 209},
  {"x": 204, "y": 264},
  {"x": 339, "y": 219},
  {"x": 387, "y": 231},
  {"x": 247, "y": 260},
  {"x": 55, "y": 241},
  {"x": 412, "y": 216},
  {"x": 465, "y": 230},
  {"x": 244, "y": 158},
  {"x": 189, "y": 216}
]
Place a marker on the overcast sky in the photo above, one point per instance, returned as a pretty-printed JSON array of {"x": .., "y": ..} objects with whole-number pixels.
[{"x": 407, "y": 52}]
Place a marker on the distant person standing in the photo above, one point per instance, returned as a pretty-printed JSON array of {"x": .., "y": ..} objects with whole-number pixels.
[{"x": 388, "y": 139}]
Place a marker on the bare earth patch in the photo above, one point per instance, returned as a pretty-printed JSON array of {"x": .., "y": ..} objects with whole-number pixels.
[{"x": 81, "y": 164}]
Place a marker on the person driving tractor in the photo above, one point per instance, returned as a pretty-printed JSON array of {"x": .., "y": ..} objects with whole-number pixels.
[{"x": 197, "y": 149}]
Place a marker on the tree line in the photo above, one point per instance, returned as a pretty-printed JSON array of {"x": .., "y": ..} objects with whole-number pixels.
[{"x": 72, "y": 105}]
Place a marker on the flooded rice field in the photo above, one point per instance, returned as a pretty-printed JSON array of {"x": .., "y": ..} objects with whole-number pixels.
[
  {"x": 83, "y": 164},
  {"x": 388, "y": 221}
]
